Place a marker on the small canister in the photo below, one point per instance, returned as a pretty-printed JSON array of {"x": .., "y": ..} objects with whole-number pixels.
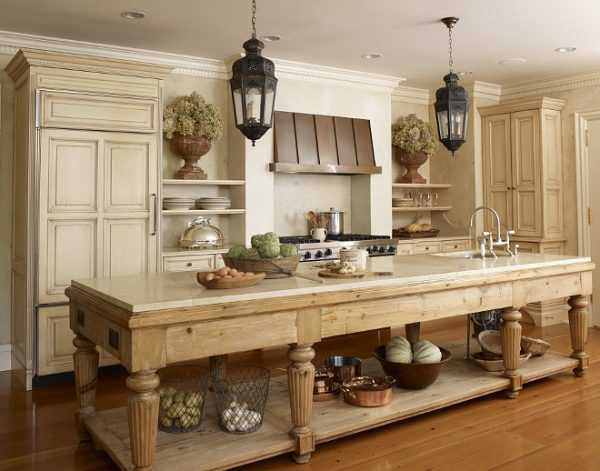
[{"x": 357, "y": 257}]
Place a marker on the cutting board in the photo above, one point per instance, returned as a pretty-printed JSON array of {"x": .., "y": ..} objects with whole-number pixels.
[{"x": 333, "y": 274}]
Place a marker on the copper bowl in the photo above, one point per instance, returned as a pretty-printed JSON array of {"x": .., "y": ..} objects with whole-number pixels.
[
  {"x": 412, "y": 375},
  {"x": 344, "y": 368},
  {"x": 368, "y": 391}
]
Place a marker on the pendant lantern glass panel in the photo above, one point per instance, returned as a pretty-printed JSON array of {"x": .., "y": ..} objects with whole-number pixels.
[{"x": 238, "y": 106}]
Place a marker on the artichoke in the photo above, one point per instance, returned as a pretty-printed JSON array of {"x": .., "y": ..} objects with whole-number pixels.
[
  {"x": 237, "y": 251},
  {"x": 251, "y": 254},
  {"x": 267, "y": 244},
  {"x": 288, "y": 250}
]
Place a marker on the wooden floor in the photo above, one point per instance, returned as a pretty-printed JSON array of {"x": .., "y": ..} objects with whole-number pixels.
[{"x": 554, "y": 425}]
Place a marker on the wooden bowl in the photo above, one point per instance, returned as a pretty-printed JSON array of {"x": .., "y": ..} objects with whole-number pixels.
[
  {"x": 281, "y": 267},
  {"x": 368, "y": 391},
  {"x": 537, "y": 347},
  {"x": 412, "y": 375},
  {"x": 229, "y": 283},
  {"x": 491, "y": 362},
  {"x": 490, "y": 341}
]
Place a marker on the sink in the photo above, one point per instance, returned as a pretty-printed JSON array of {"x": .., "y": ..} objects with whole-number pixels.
[{"x": 470, "y": 254}]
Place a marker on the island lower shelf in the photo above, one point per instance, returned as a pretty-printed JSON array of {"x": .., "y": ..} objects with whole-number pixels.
[{"x": 210, "y": 448}]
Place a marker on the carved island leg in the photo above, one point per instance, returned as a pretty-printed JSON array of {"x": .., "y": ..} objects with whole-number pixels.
[
  {"x": 413, "y": 332},
  {"x": 301, "y": 380},
  {"x": 578, "y": 324},
  {"x": 510, "y": 334},
  {"x": 85, "y": 360},
  {"x": 142, "y": 414}
]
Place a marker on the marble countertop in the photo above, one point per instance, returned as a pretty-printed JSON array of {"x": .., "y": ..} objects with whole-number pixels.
[
  {"x": 155, "y": 291},
  {"x": 437, "y": 238}
]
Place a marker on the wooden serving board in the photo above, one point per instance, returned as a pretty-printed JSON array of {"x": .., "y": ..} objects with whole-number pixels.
[
  {"x": 229, "y": 283},
  {"x": 333, "y": 274}
]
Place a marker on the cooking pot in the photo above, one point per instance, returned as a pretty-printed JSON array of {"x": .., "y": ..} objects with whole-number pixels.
[
  {"x": 333, "y": 221},
  {"x": 201, "y": 234}
]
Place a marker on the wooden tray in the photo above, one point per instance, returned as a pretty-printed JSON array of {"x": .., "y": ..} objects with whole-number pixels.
[
  {"x": 229, "y": 283},
  {"x": 402, "y": 234},
  {"x": 333, "y": 274},
  {"x": 281, "y": 267}
]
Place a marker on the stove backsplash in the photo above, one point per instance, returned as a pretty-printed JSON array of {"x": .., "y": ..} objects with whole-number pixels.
[{"x": 295, "y": 195}]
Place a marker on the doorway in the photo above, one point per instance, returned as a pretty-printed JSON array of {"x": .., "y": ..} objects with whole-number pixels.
[{"x": 587, "y": 127}]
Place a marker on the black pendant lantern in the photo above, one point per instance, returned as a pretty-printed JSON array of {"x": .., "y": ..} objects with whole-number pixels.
[
  {"x": 451, "y": 103},
  {"x": 253, "y": 86}
]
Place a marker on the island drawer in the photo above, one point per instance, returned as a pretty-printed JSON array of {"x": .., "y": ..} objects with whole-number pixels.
[
  {"x": 405, "y": 249},
  {"x": 189, "y": 263},
  {"x": 455, "y": 245},
  {"x": 428, "y": 247}
]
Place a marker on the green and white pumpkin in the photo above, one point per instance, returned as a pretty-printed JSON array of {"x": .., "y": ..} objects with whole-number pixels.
[
  {"x": 398, "y": 350},
  {"x": 426, "y": 352}
]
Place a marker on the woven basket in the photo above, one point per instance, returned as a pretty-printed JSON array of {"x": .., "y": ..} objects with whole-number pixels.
[
  {"x": 281, "y": 267},
  {"x": 537, "y": 347}
]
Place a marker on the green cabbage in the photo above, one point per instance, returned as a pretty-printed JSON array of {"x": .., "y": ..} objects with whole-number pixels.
[{"x": 288, "y": 250}]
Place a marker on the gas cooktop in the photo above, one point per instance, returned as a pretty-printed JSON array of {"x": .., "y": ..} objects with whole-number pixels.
[{"x": 311, "y": 250}]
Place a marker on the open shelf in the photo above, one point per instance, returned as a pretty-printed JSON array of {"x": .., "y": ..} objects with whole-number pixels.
[
  {"x": 413, "y": 209},
  {"x": 173, "y": 181},
  {"x": 211, "y": 448},
  {"x": 191, "y": 212},
  {"x": 409, "y": 186}
]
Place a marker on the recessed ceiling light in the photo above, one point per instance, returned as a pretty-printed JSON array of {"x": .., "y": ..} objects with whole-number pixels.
[
  {"x": 372, "y": 55},
  {"x": 565, "y": 49},
  {"x": 133, "y": 15},
  {"x": 512, "y": 60},
  {"x": 269, "y": 38}
]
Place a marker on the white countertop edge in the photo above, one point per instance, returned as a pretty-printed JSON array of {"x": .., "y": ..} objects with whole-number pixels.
[{"x": 330, "y": 286}]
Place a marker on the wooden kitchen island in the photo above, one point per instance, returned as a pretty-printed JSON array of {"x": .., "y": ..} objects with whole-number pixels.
[{"x": 153, "y": 320}]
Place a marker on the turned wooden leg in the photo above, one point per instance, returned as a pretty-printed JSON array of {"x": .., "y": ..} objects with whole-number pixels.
[
  {"x": 142, "y": 414},
  {"x": 85, "y": 361},
  {"x": 510, "y": 333},
  {"x": 301, "y": 380},
  {"x": 578, "y": 324},
  {"x": 413, "y": 332},
  {"x": 218, "y": 366}
]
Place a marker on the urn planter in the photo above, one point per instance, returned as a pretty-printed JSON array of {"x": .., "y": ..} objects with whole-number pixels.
[
  {"x": 411, "y": 162},
  {"x": 190, "y": 149}
]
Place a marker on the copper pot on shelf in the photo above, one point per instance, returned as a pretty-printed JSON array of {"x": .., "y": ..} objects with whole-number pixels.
[
  {"x": 190, "y": 149},
  {"x": 368, "y": 391}
]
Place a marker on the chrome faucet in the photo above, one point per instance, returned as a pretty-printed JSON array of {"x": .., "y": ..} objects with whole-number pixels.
[{"x": 487, "y": 242}]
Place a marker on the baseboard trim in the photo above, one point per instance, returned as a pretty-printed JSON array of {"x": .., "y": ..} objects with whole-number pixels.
[{"x": 5, "y": 357}]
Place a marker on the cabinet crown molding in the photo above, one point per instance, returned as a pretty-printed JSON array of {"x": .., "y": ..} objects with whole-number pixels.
[
  {"x": 521, "y": 104},
  {"x": 26, "y": 58}
]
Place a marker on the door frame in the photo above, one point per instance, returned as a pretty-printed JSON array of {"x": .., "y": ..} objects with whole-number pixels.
[{"x": 582, "y": 161}]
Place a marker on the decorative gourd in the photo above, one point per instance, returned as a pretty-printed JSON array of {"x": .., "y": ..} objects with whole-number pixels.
[
  {"x": 398, "y": 350},
  {"x": 426, "y": 352}
]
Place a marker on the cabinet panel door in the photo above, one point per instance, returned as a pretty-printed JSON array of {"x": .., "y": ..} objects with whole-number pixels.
[
  {"x": 497, "y": 170},
  {"x": 526, "y": 173},
  {"x": 127, "y": 248},
  {"x": 69, "y": 174},
  {"x": 129, "y": 172},
  {"x": 68, "y": 252}
]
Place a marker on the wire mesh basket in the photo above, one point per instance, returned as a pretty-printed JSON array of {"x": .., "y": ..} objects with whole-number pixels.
[
  {"x": 182, "y": 397},
  {"x": 241, "y": 397}
]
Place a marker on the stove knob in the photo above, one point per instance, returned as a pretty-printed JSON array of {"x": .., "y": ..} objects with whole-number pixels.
[
  {"x": 373, "y": 249},
  {"x": 391, "y": 249},
  {"x": 382, "y": 249},
  {"x": 307, "y": 255},
  {"x": 319, "y": 254},
  {"x": 328, "y": 252}
]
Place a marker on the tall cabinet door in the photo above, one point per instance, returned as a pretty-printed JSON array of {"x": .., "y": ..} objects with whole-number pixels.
[
  {"x": 497, "y": 171},
  {"x": 128, "y": 219},
  {"x": 526, "y": 152},
  {"x": 96, "y": 213}
]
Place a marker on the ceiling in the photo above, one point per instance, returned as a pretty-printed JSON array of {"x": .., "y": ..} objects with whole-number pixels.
[{"x": 338, "y": 32}]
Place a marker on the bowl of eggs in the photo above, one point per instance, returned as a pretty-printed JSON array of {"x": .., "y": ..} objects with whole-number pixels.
[{"x": 227, "y": 278}]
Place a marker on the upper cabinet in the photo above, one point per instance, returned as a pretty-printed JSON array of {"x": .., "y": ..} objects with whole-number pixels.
[{"x": 522, "y": 166}]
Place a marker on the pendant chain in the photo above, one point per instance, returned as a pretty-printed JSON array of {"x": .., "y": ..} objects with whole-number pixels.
[
  {"x": 450, "y": 59},
  {"x": 253, "y": 18}
]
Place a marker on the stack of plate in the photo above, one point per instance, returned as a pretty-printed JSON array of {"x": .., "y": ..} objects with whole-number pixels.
[
  {"x": 175, "y": 203},
  {"x": 402, "y": 202},
  {"x": 214, "y": 203}
]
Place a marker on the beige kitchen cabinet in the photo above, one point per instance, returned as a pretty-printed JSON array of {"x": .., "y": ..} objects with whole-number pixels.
[
  {"x": 55, "y": 343},
  {"x": 192, "y": 262},
  {"x": 522, "y": 166},
  {"x": 86, "y": 150}
]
